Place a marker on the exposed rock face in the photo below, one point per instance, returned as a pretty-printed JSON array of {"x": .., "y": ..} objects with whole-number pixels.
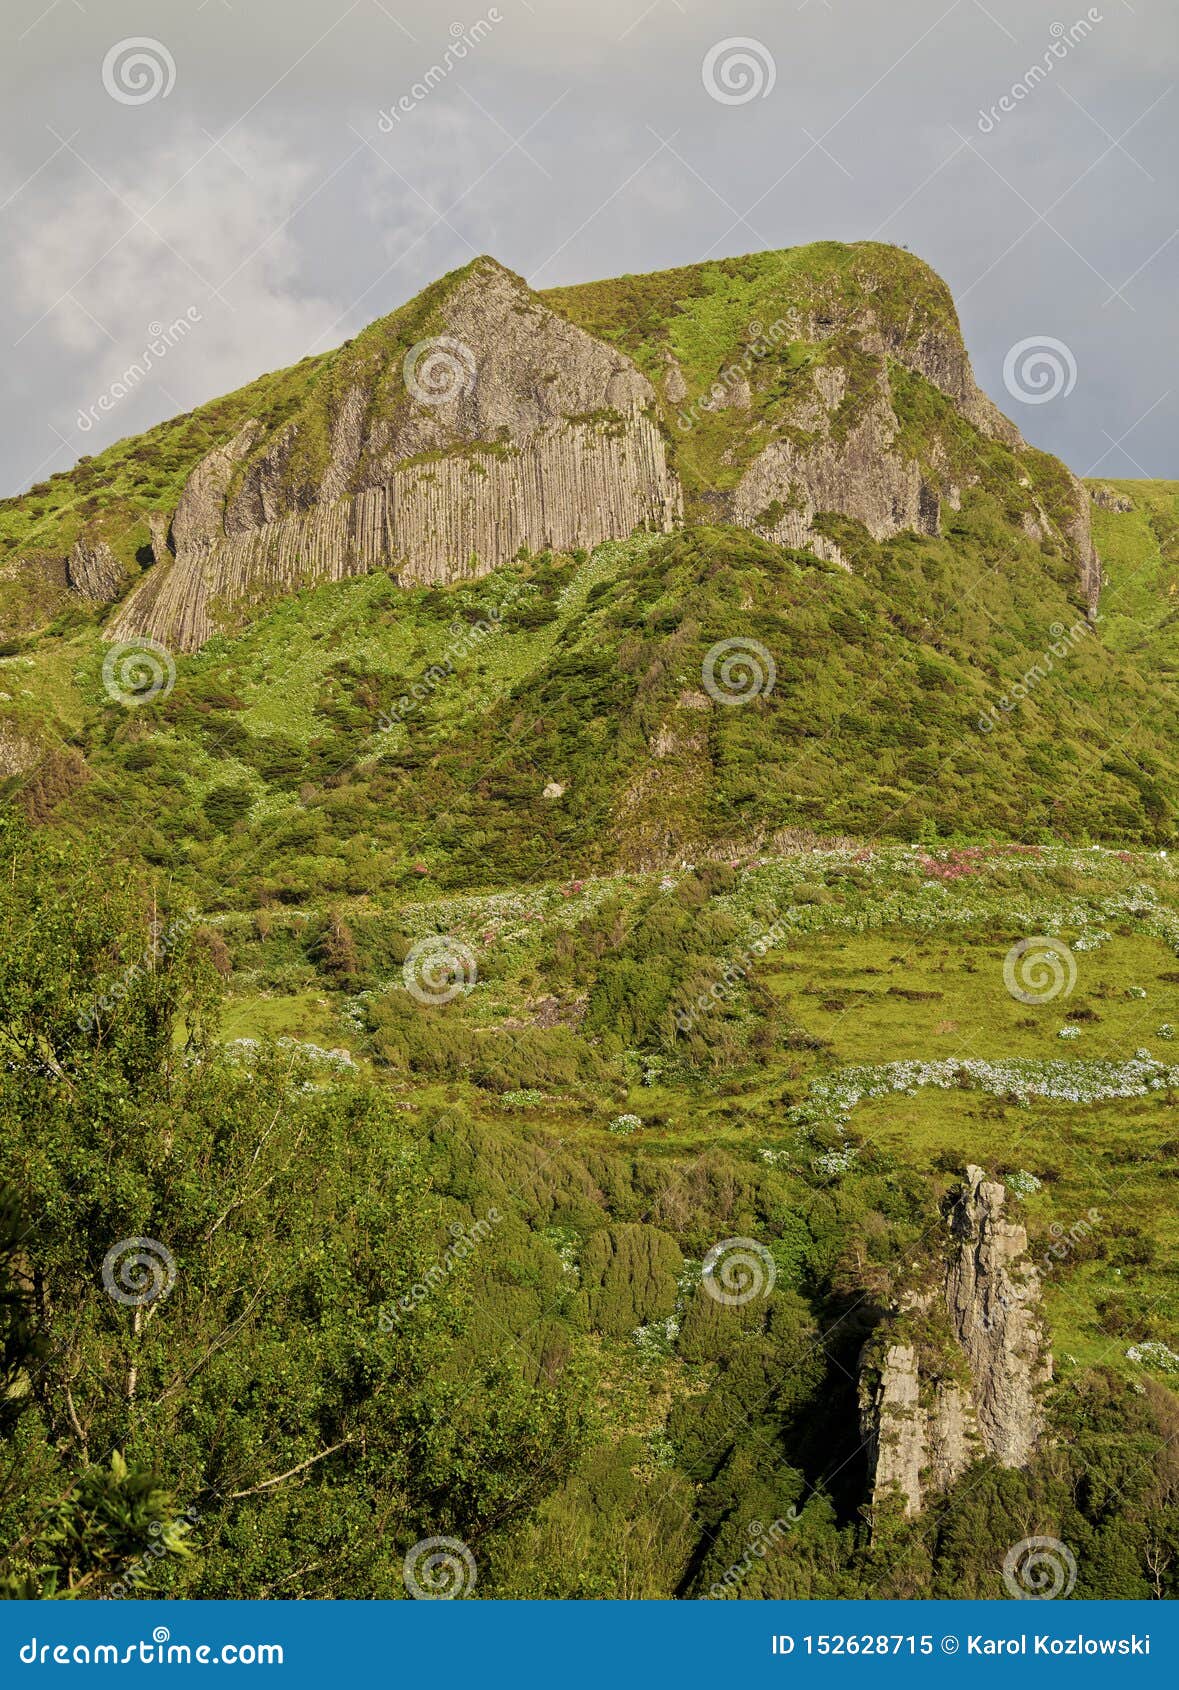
[
  {"x": 94, "y": 572},
  {"x": 18, "y": 752},
  {"x": 1107, "y": 500},
  {"x": 993, "y": 1296},
  {"x": 199, "y": 521},
  {"x": 1080, "y": 532},
  {"x": 675, "y": 388},
  {"x": 959, "y": 1371},
  {"x": 263, "y": 493},
  {"x": 532, "y": 370},
  {"x": 570, "y": 486},
  {"x": 549, "y": 439},
  {"x": 858, "y": 474},
  {"x": 159, "y": 527},
  {"x": 922, "y": 1439},
  {"x": 861, "y": 471}
]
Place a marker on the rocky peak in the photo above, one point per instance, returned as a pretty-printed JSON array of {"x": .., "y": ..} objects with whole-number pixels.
[
  {"x": 505, "y": 366},
  {"x": 958, "y": 1370},
  {"x": 444, "y": 440},
  {"x": 825, "y": 390}
]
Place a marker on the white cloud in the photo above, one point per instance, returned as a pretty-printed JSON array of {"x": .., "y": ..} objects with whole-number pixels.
[{"x": 196, "y": 227}]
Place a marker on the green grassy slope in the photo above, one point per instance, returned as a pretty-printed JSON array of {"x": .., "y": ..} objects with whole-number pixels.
[
  {"x": 950, "y": 689},
  {"x": 863, "y": 1049},
  {"x": 1139, "y": 548},
  {"x": 108, "y": 496},
  {"x": 739, "y": 974}
]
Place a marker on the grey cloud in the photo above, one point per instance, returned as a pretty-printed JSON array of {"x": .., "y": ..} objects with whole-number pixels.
[{"x": 576, "y": 139}]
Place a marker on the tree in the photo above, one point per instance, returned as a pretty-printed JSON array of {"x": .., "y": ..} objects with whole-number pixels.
[{"x": 213, "y": 1242}]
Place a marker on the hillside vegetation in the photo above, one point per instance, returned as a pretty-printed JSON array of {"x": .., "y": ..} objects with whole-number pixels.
[
  {"x": 436, "y": 977},
  {"x": 363, "y": 733}
]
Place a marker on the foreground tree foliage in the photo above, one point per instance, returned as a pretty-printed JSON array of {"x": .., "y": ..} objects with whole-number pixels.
[
  {"x": 242, "y": 1355},
  {"x": 252, "y": 1409}
]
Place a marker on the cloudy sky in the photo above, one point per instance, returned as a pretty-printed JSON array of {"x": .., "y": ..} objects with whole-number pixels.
[{"x": 279, "y": 171}]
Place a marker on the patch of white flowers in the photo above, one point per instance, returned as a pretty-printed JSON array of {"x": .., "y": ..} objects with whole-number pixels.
[
  {"x": 1022, "y": 1183},
  {"x": 833, "y": 1162},
  {"x": 566, "y": 1242},
  {"x": 1089, "y": 941},
  {"x": 354, "y": 1011},
  {"x": 834, "y": 1096},
  {"x": 245, "y": 1050},
  {"x": 658, "y": 1338},
  {"x": 624, "y": 1125},
  {"x": 1153, "y": 1353}
]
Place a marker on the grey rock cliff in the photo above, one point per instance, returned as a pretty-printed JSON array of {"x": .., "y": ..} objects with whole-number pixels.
[
  {"x": 93, "y": 572},
  {"x": 462, "y": 516},
  {"x": 480, "y": 419},
  {"x": 859, "y": 474},
  {"x": 862, "y": 471},
  {"x": 959, "y": 1370},
  {"x": 549, "y": 439}
]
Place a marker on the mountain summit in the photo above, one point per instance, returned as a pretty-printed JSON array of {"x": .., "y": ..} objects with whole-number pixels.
[{"x": 819, "y": 397}]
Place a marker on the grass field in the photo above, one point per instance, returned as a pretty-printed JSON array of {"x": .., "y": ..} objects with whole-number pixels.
[{"x": 899, "y": 1050}]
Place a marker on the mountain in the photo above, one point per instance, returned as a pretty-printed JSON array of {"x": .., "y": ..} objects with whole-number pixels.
[
  {"x": 771, "y": 392},
  {"x": 781, "y": 459},
  {"x": 585, "y": 890}
]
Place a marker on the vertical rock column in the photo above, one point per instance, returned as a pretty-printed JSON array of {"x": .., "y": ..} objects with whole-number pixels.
[{"x": 958, "y": 1370}]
